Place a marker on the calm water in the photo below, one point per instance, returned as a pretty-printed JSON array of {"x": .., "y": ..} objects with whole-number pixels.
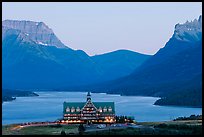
[{"x": 48, "y": 107}]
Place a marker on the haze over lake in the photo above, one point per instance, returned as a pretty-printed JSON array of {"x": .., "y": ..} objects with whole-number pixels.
[{"x": 48, "y": 107}]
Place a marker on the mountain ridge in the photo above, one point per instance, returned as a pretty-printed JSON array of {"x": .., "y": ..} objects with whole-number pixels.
[
  {"x": 37, "y": 32},
  {"x": 175, "y": 69},
  {"x": 46, "y": 66},
  {"x": 178, "y": 62}
]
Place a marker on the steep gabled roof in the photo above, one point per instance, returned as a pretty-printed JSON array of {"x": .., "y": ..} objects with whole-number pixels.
[
  {"x": 81, "y": 105},
  {"x": 105, "y": 104},
  {"x": 72, "y": 104}
]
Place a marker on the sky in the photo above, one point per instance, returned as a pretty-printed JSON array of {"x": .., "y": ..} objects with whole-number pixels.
[{"x": 101, "y": 27}]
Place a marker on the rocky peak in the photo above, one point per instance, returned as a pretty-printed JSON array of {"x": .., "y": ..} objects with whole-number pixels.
[
  {"x": 27, "y": 26},
  {"x": 200, "y": 19},
  {"x": 189, "y": 31},
  {"x": 37, "y": 32}
]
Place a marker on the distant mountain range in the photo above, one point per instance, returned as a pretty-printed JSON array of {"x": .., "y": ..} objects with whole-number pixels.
[
  {"x": 34, "y": 58},
  {"x": 119, "y": 63}
]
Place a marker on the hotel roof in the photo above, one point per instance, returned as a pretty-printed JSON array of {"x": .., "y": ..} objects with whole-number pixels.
[{"x": 81, "y": 105}]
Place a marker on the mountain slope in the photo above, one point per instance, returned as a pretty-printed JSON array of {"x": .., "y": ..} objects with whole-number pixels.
[
  {"x": 190, "y": 95},
  {"x": 167, "y": 72},
  {"x": 119, "y": 63},
  {"x": 35, "y": 32},
  {"x": 40, "y": 60},
  {"x": 34, "y": 58}
]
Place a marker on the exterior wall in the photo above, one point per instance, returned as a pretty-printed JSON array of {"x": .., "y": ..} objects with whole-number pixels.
[{"x": 93, "y": 117}]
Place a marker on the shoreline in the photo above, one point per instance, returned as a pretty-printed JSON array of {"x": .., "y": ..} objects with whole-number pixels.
[
  {"x": 34, "y": 94},
  {"x": 158, "y": 98},
  {"x": 117, "y": 96},
  {"x": 14, "y": 97}
]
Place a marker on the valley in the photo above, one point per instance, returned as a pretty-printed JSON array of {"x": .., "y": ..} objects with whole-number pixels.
[{"x": 175, "y": 70}]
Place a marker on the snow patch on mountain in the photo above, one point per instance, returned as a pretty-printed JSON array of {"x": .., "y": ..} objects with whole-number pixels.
[
  {"x": 42, "y": 43},
  {"x": 34, "y": 32}
]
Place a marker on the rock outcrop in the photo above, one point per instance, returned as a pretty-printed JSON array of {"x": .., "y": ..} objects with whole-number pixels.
[{"x": 33, "y": 32}]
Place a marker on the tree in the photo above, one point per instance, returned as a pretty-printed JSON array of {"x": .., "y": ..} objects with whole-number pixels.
[{"x": 63, "y": 132}]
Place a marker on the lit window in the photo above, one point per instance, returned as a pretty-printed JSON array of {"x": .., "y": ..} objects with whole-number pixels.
[
  {"x": 110, "y": 109},
  {"x": 72, "y": 110},
  {"x": 78, "y": 109},
  {"x": 104, "y": 109},
  {"x": 100, "y": 109},
  {"x": 67, "y": 110}
]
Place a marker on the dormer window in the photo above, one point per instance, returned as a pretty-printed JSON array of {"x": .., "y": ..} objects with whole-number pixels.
[
  {"x": 78, "y": 109},
  {"x": 104, "y": 109},
  {"x": 110, "y": 109},
  {"x": 100, "y": 109},
  {"x": 73, "y": 109},
  {"x": 67, "y": 109}
]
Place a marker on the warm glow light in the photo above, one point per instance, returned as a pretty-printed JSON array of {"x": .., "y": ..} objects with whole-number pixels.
[{"x": 107, "y": 120}]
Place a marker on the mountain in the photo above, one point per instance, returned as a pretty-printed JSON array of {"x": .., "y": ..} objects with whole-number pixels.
[
  {"x": 34, "y": 58},
  {"x": 119, "y": 63},
  {"x": 32, "y": 32},
  {"x": 176, "y": 68}
]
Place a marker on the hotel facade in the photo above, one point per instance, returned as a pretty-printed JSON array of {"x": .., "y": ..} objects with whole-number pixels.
[{"x": 89, "y": 112}]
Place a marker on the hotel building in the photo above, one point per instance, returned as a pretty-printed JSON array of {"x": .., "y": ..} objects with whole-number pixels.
[{"x": 89, "y": 112}]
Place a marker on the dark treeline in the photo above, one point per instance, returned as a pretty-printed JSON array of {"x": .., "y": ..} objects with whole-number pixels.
[
  {"x": 183, "y": 98},
  {"x": 192, "y": 117},
  {"x": 124, "y": 119},
  {"x": 9, "y": 95}
]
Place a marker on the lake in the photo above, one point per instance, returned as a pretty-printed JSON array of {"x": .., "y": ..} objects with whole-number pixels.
[{"x": 48, "y": 106}]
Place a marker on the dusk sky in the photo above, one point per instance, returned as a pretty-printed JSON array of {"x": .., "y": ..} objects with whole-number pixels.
[{"x": 98, "y": 28}]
